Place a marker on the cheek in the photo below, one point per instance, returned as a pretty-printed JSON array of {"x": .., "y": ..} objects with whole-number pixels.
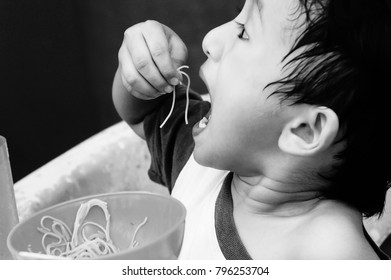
[
  {"x": 248, "y": 75},
  {"x": 249, "y": 119},
  {"x": 235, "y": 120}
]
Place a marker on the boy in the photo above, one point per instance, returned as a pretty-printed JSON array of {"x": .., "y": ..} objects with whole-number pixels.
[{"x": 286, "y": 158}]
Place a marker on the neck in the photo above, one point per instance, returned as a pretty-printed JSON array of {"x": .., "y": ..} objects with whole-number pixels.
[{"x": 265, "y": 196}]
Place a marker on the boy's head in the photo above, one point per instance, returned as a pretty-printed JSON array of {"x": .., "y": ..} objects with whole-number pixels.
[{"x": 298, "y": 87}]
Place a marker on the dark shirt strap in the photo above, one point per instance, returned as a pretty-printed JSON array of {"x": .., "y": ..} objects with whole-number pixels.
[{"x": 227, "y": 235}]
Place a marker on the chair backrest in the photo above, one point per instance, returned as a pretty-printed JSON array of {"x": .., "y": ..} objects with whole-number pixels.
[{"x": 115, "y": 159}]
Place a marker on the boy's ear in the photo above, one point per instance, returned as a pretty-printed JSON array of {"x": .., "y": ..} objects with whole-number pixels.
[{"x": 310, "y": 132}]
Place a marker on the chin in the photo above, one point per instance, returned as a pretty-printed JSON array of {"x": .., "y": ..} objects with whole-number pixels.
[
  {"x": 202, "y": 157},
  {"x": 207, "y": 159}
]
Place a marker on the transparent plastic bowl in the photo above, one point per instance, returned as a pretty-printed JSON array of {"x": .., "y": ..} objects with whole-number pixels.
[{"x": 160, "y": 238}]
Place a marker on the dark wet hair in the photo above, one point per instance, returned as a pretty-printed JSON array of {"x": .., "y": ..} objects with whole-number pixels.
[{"x": 346, "y": 67}]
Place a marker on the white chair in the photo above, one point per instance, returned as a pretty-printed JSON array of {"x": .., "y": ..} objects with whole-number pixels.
[{"x": 115, "y": 159}]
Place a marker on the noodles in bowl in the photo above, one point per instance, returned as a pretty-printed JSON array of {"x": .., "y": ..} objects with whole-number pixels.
[{"x": 125, "y": 225}]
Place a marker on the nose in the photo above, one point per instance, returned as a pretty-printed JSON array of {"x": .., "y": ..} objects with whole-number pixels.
[{"x": 213, "y": 43}]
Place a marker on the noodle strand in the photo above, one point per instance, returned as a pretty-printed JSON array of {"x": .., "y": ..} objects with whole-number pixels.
[{"x": 173, "y": 97}]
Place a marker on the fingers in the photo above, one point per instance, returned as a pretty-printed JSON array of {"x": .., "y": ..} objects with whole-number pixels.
[
  {"x": 132, "y": 80},
  {"x": 158, "y": 40},
  {"x": 142, "y": 60},
  {"x": 149, "y": 57}
]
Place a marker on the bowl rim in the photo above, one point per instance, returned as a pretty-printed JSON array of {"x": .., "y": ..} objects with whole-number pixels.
[{"x": 100, "y": 195}]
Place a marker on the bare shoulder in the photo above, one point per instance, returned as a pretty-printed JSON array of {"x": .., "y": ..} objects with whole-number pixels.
[{"x": 335, "y": 231}]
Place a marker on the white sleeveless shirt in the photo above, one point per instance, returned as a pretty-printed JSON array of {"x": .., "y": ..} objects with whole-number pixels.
[{"x": 197, "y": 187}]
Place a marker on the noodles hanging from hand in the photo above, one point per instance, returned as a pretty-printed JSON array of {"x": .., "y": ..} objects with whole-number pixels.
[{"x": 173, "y": 97}]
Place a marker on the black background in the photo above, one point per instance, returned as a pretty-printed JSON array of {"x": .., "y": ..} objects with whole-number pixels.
[{"x": 58, "y": 59}]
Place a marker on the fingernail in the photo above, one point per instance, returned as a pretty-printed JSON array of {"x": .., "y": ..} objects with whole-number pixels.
[
  {"x": 168, "y": 89},
  {"x": 174, "y": 81}
]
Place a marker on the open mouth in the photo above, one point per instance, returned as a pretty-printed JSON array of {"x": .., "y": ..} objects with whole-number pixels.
[{"x": 205, "y": 120}]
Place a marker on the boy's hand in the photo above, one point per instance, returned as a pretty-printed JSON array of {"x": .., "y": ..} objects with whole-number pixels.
[{"x": 148, "y": 58}]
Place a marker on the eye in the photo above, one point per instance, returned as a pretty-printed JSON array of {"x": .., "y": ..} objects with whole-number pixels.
[{"x": 242, "y": 33}]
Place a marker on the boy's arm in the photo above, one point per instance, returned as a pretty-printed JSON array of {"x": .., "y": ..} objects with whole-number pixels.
[
  {"x": 171, "y": 145},
  {"x": 148, "y": 60}
]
